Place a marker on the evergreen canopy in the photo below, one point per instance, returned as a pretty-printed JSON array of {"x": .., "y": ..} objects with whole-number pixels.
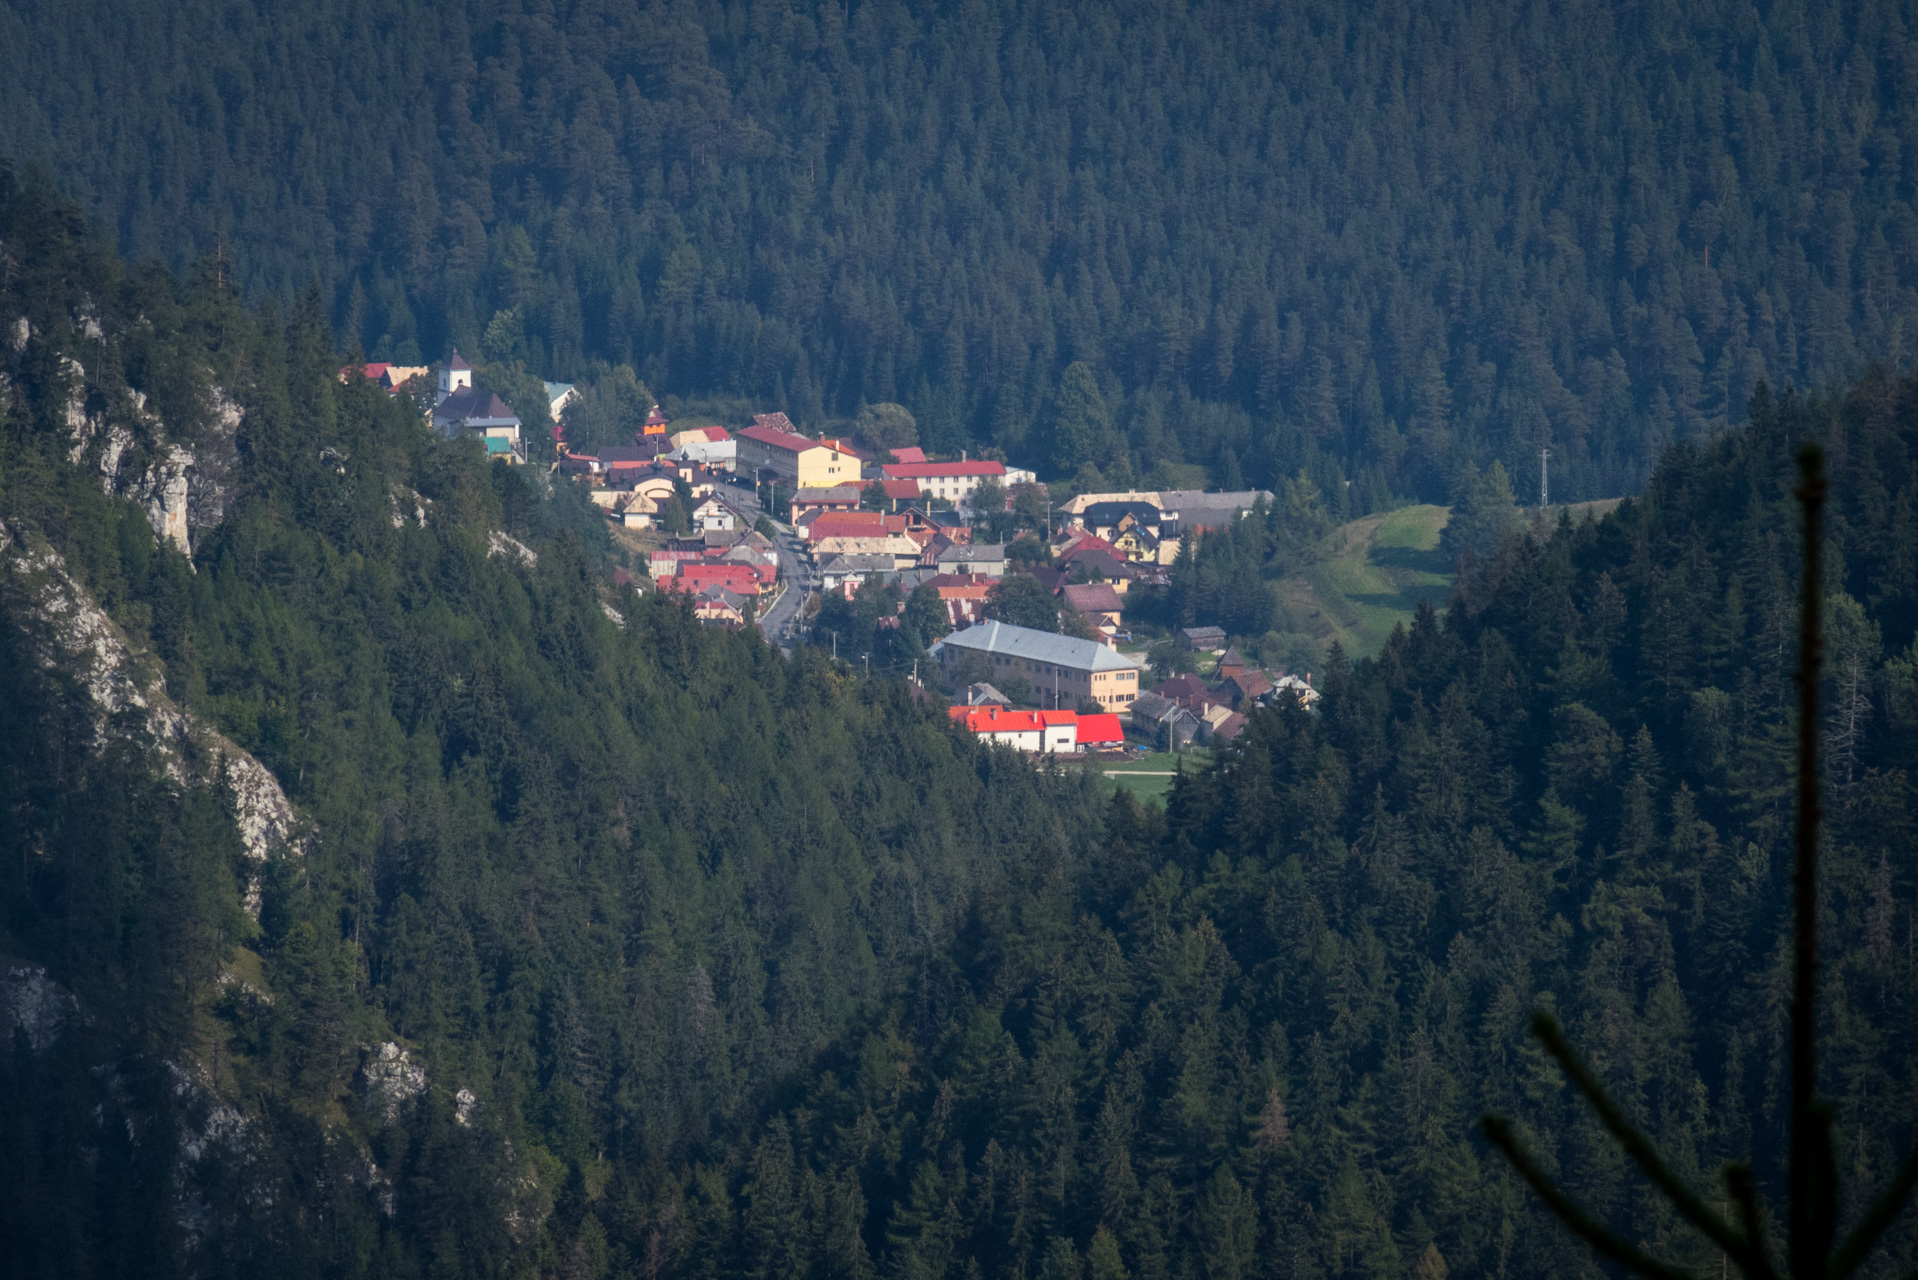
[{"x": 1379, "y": 241}]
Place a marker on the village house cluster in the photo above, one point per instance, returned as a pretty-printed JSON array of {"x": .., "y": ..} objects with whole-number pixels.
[
  {"x": 1185, "y": 709},
  {"x": 902, "y": 519},
  {"x": 462, "y": 407}
]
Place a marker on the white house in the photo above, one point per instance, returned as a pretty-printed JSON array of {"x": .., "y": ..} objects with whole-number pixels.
[
  {"x": 714, "y": 516},
  {"x": 956, "y": 482},
  {"x": 836, "y": 570}
]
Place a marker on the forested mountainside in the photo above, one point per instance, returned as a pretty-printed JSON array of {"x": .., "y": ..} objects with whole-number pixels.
[
  {"x": 1256, "y": 1042},
  {"x": 605, "y": 880},
  {"x": 383, "y": 894},
  {"x": 1382, "y": 241}
]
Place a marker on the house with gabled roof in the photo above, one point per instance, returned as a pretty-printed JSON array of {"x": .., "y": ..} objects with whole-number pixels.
[
  {"x": 1186, "y": 690},
  {"x": 1163, "y": 722},
  {"x": 715, "y": 515},
  {"x": 1020, "y": 729},
  {"x": 772, "y": 446},
  {"x": 986, "y": 558},
  {"x": 1102, "y": 732},
  {"x": 956, "y": 482},
  {"x": 841, "y": 497},
  {"x": 696, "y": 575},
  {"x": 846, "y": 571},
  {"x": 898, "y": 491},
  {"x": 1219, "y": 724},
  {"x": 903, "y": 551},
  {"x": 1246, "y": 689},
  {"x": 719, "y": 606},
  {"x": 1293, "y": 686},
  {"x": 1096, "y": 601},
  {"x": 964, "y": 596},
  {"x": 1202, "y": 639},
  {"x": 1048, "y": 732}
]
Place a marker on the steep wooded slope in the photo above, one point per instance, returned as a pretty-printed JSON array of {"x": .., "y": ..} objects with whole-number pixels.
[
  {"x": 1256, "y": 1042},
  {"x": 566, "y": 884}
]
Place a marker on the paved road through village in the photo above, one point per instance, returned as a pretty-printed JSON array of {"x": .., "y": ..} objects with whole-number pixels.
[{"x": 776, "y": 623}]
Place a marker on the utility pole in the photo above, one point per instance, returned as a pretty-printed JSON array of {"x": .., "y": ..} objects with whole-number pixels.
[{"x": 1544, "y": 485}]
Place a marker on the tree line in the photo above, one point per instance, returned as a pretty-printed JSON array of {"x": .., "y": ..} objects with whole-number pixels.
[{"x": 1388, "y": 244}]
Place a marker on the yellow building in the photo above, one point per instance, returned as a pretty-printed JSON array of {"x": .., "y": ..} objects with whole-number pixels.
[
  {"x": 1061, "y": 671},
  {"x": 770, "y": 444}
]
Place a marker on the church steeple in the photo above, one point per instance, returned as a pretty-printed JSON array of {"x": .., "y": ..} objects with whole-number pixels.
[{"x": 455, "y": 374}]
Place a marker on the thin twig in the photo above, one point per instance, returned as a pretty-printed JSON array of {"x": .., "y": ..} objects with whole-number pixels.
[
  {"x": 1636, "y": 1145},
  {"x": 1810, "y": 1229},
  {"x": 1499, "y": 1131},
  {"x": 1875, "y": 1220},
  {"x": 1744, "y": 1189}
]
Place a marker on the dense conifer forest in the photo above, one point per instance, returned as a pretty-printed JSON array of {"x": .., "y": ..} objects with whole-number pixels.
[
  {"x": 724, "y": 964},
  {"x": 1388, "y": 243},
  {"x": 616, "y": 878}
]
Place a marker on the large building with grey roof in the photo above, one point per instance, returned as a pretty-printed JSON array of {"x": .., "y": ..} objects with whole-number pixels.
[{"x": 1061, "y": 671}]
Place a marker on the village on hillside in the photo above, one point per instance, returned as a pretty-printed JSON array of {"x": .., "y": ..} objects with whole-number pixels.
[{"x": 1024, "y": 612}]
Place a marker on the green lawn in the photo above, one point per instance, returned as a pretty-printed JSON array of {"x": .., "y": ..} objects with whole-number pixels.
[
  {"x": 1372, "y": 573},
  {"x": 1149, "y": 777},
  {"x": 1370, "y": 576},
  {"x": 1143, "y": 788}
]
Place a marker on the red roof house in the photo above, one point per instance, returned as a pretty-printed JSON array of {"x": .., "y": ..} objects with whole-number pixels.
[
  {"x": 697, "y": 575},
  {"x": 847, "y": 524},
  {"x": 1038, "y": 730}
]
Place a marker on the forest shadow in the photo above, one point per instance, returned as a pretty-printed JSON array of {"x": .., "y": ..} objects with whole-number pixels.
[
  {"x": 1408, "y": 599},
  {"x": 1433, "y": 561}
]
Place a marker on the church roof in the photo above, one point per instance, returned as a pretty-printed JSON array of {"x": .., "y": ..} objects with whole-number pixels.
[{"x": 473, "y": 404}]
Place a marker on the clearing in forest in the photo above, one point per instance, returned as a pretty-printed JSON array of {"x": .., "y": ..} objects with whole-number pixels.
[{"x": 1371, "y": 574}]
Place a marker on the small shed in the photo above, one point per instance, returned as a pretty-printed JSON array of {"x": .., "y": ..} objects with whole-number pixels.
[
  {"x": 1202, "y": 639},
  {"x": 978, "y": 695}
]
